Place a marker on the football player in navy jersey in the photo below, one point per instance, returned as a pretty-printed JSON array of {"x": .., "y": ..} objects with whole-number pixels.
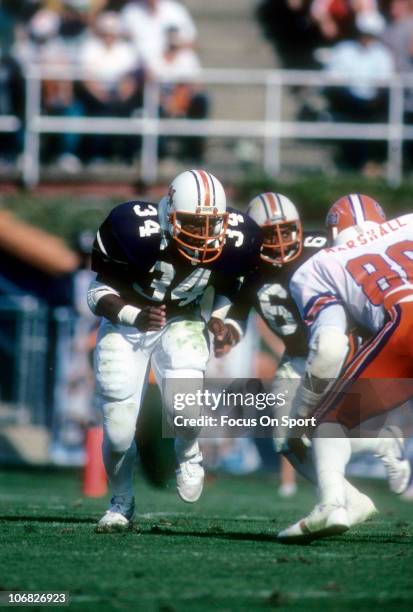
[
  {"x": 284, "y": 249},
  {"x": 154, "y": 263},
  {"x": 266, "y": 289}
]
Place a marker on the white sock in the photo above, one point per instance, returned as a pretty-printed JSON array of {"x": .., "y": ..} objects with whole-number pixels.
[
  {"x": 331, "y": 456},
  {"x": 367, "y": 445},
  {"x": 120, "y": 468},
  {"x": 305, "y": 467},
  {"x": 185, "y": 449}
]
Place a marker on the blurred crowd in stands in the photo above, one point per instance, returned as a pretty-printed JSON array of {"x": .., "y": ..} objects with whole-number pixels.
[
  {"x": 299, "y": 27},
  {"x": 361, "y": 39},
  {"x": 118, "y": 44}
]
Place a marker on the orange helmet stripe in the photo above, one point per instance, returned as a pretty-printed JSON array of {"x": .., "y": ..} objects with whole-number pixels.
[
  {"x": 213, "y": 189},
  {"x": 204, "y": 177},
  {"x": 269, "y": 201},
  {"x": 273, "y": 203}
]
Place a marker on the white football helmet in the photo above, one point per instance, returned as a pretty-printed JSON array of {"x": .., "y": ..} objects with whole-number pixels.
[
  {"x": 195, "y": 215},
  {"x": 352, "y": 215},
  {"x": 281, "y": 225}
]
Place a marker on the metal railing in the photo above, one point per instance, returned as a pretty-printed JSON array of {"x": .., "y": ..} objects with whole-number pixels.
[
  {"x": 271, "y": 129},
  {"x": 23, "y": 354},
  {"x": 38, "y": 356}
]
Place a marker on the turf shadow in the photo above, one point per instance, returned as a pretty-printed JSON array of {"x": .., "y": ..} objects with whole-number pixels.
[
  {"x": 211, "y": 533},
  {"x": 13, "y": 518}
]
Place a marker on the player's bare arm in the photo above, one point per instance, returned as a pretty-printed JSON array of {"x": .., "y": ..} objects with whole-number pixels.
[{"x": 114, "y": 308}]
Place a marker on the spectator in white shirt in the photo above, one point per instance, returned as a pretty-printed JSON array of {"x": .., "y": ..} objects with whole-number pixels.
[
  {"x": 113, "y": 81},
  {"x": 42, "y": 44},
  {"x": 178, "y": 70},
  {"x": 148, "y": 22},
  {"x": 177, "y": 62},
  {"x": 363, "y": 60},
  {"x": 107, "y": 58}
]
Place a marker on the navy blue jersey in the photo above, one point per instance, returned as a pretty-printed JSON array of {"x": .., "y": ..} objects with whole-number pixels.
[
  {"x": 132, "y": 254},
  {"x": 267, "y": 290}
]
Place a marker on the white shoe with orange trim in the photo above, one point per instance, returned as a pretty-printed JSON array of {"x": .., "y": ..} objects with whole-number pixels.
[{"x": 324, "y": 521}]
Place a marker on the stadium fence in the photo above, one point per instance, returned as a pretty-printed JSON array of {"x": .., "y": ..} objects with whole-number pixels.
[{"x": 270, "y": 129}]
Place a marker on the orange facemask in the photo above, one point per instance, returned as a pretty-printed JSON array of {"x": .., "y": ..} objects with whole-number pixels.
[
  {"x": 200, "y": 238},
  {"x": 282, "y": 243}
]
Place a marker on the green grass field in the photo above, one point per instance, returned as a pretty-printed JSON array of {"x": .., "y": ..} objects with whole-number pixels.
[{"x": 219, "y": 554}]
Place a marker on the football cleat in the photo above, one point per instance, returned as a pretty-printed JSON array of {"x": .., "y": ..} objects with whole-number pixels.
[
  {"x": 360, "y": 509},
  {"x": 324, "y": 521},
  {"x": 392, "y": 455},
  {"x": 190, "y": 479},
  {"x": 119, "y": 514}
]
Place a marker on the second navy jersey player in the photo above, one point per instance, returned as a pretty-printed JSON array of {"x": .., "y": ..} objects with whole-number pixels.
[{"x": 267, "y": 291}]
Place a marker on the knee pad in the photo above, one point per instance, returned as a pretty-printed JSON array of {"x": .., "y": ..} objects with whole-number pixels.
[
  {"x": 114, "y": 368},
  {"x": 119, "y": 424},
  {"x": 184, "y": 346},
  {"x": 328, "y": 351}
]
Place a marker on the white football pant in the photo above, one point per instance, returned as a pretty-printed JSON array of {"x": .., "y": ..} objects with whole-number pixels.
[
  {"x": 287, "y": 379},
  {"x": 122, "y": 361}
]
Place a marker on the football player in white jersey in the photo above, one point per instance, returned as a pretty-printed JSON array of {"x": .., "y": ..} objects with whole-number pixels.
[
  {"x": 284, "y": 249},
  {"x": 367, "y": 277},
  {"x": 154, "y": 263}
]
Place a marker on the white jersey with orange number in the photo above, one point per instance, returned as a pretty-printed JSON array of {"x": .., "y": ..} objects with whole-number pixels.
[{"x": 366, "y": 276}]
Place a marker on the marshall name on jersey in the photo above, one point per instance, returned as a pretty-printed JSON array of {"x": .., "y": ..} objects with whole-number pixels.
[
  {"x": 132, "y": 254},
  {"x": 367, "y": 275},
  {"x": 267, "y": 290}
]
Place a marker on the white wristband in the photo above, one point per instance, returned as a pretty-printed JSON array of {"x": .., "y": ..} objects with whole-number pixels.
[
  {"x": 127, "y": 315},
  {"x": 220, "y": 313}
]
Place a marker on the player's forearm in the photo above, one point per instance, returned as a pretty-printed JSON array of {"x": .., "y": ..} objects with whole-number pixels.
[
  {"x": 274, "y": 342},
  {"x": 227, "y": 333},
  {"x": 237, "y": 314},
  {"x": 104, "y": 301},
  {"x": 117, "y": 310},
  {"x": 227, "y": 290},
  {"x": 242, "y": 302}
]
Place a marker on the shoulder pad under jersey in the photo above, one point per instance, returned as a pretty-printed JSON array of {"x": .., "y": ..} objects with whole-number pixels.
[{"x": 130, "y": 234}]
